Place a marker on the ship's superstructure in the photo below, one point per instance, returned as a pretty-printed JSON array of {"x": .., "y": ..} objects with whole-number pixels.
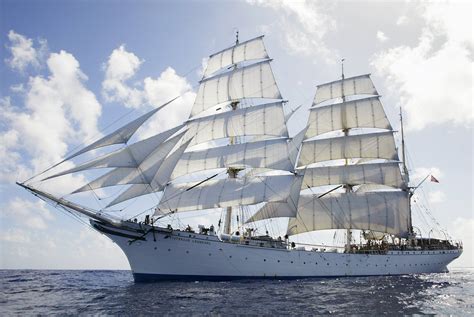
[{"x": 341, "y": 171}]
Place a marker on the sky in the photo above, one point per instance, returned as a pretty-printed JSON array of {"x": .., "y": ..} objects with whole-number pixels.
[{"x": 72, "y": 71}]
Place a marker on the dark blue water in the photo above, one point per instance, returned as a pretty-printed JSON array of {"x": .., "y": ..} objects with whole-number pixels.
[{"x": 115, "y": 293}]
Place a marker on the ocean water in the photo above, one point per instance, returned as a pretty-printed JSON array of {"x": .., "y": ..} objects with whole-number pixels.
[{"x": 33, "y": 292}]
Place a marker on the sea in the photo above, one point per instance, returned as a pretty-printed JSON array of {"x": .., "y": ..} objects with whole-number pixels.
[{"x": 64, "y": 292}]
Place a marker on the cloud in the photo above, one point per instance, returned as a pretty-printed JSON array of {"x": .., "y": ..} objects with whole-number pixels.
[
  {"x": 462, "y": 230},
  {"x": 57, "y": 248},
  {"x": 436, "y": 196},
  {"x": 121, "y": 67},
  {"x": 23, "y": 53},
  {"x": 381, "y": 37},
  {"x": 33, "y": 215},
  {"x": 15, "y": 235},
  {"x": 58, "y": 110},
  {"x": 162, "y": 89},
  {"x": 303, "y": 26},
  {"x": 434, "y": 78},
  {"x": 402, "y": 20},
  {"x": 419, "y": 173}
]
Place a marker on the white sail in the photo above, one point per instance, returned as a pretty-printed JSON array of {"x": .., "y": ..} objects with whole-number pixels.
[
  {"x": 387, "y": 173},
  {"x": 369, "y": 145},
  {"x": 358, "y": 85},
  {"x": 135, "y": 190},
  {"x": 262, "y": 120},
  {"x": 142, "y": 173},
  {"x": 249, "y": 50},
  {"x": 230, "y": 192},
  {"x": 254, "y": 81},
  {"x": 129, "y": 156},
  {"x": 361, "y": 113},
  {"x": 270, "y": 154},
  {"x": 157, "y": 183},
  {"x": 273, "y": 210},
  {"x": 121, "y": 135},
  {"x": 386, "y": 211}
]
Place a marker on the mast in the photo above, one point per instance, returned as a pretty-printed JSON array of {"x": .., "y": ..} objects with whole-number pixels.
[
  {"x": 406, "y": 175},
  {"x": 405, "y": 169},
  {"x": 346, "y": 161},
  {"x": 231, "y": 172}
]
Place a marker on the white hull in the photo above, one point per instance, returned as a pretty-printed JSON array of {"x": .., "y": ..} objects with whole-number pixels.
[{"x": 184, "y": 255}]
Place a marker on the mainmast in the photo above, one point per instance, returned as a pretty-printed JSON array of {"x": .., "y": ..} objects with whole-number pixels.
[
  {"x": 345, "y": 130},
  {"x": 231, "y": 172}
]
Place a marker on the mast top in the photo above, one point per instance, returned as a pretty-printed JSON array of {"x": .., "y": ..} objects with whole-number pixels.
[{"x": 236, "y": 37}]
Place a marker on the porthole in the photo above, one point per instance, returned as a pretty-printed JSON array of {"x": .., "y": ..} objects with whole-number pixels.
[
  {"x": 291, "y": 261},
  {"x": 278, "y": 261},
  {"x": 155, "y": 248},
  {"x": 187, "y": 251},
  {"x": 264, "y": 260},
  {"x": 169, "y": 249},
  {"x": 209, "y": 254}
]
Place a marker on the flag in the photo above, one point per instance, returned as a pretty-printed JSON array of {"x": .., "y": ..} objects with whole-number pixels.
[{"x": 434, "y": 180}]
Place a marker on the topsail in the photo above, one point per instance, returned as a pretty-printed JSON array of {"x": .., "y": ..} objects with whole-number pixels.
[{"x": 253, "y": 49}]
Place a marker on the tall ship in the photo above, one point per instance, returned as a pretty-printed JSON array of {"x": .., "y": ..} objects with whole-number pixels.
[{"x": 234, "y": 156}]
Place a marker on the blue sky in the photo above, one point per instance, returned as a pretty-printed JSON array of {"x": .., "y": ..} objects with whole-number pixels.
[{"x": 82, "y": 65}]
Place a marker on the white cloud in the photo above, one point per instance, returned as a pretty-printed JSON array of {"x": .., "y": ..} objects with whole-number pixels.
[
  {"x": 381, "y": 37},
  {"x": 19, "y": 88},
  {"x": 162, "y": 89},
  {"x": 23, "y": 53},
  {"x": 462, "y": 229},
  {"x": 61, "y": 98},
  {"x": 419, "y": 173},
  {"x": 434, "y": 78},
  {"x": 436, "y": 196},
  {"x": 58, "y": 110},
  {"x": 303, "y": 26},
  {"x": 31, "y": 214},
  {"x": 403, "y": 19},
  {"x": 15, "y": 235},
  {"x": 121, "y": 67},
  {"x": 55, "y": 248}
]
